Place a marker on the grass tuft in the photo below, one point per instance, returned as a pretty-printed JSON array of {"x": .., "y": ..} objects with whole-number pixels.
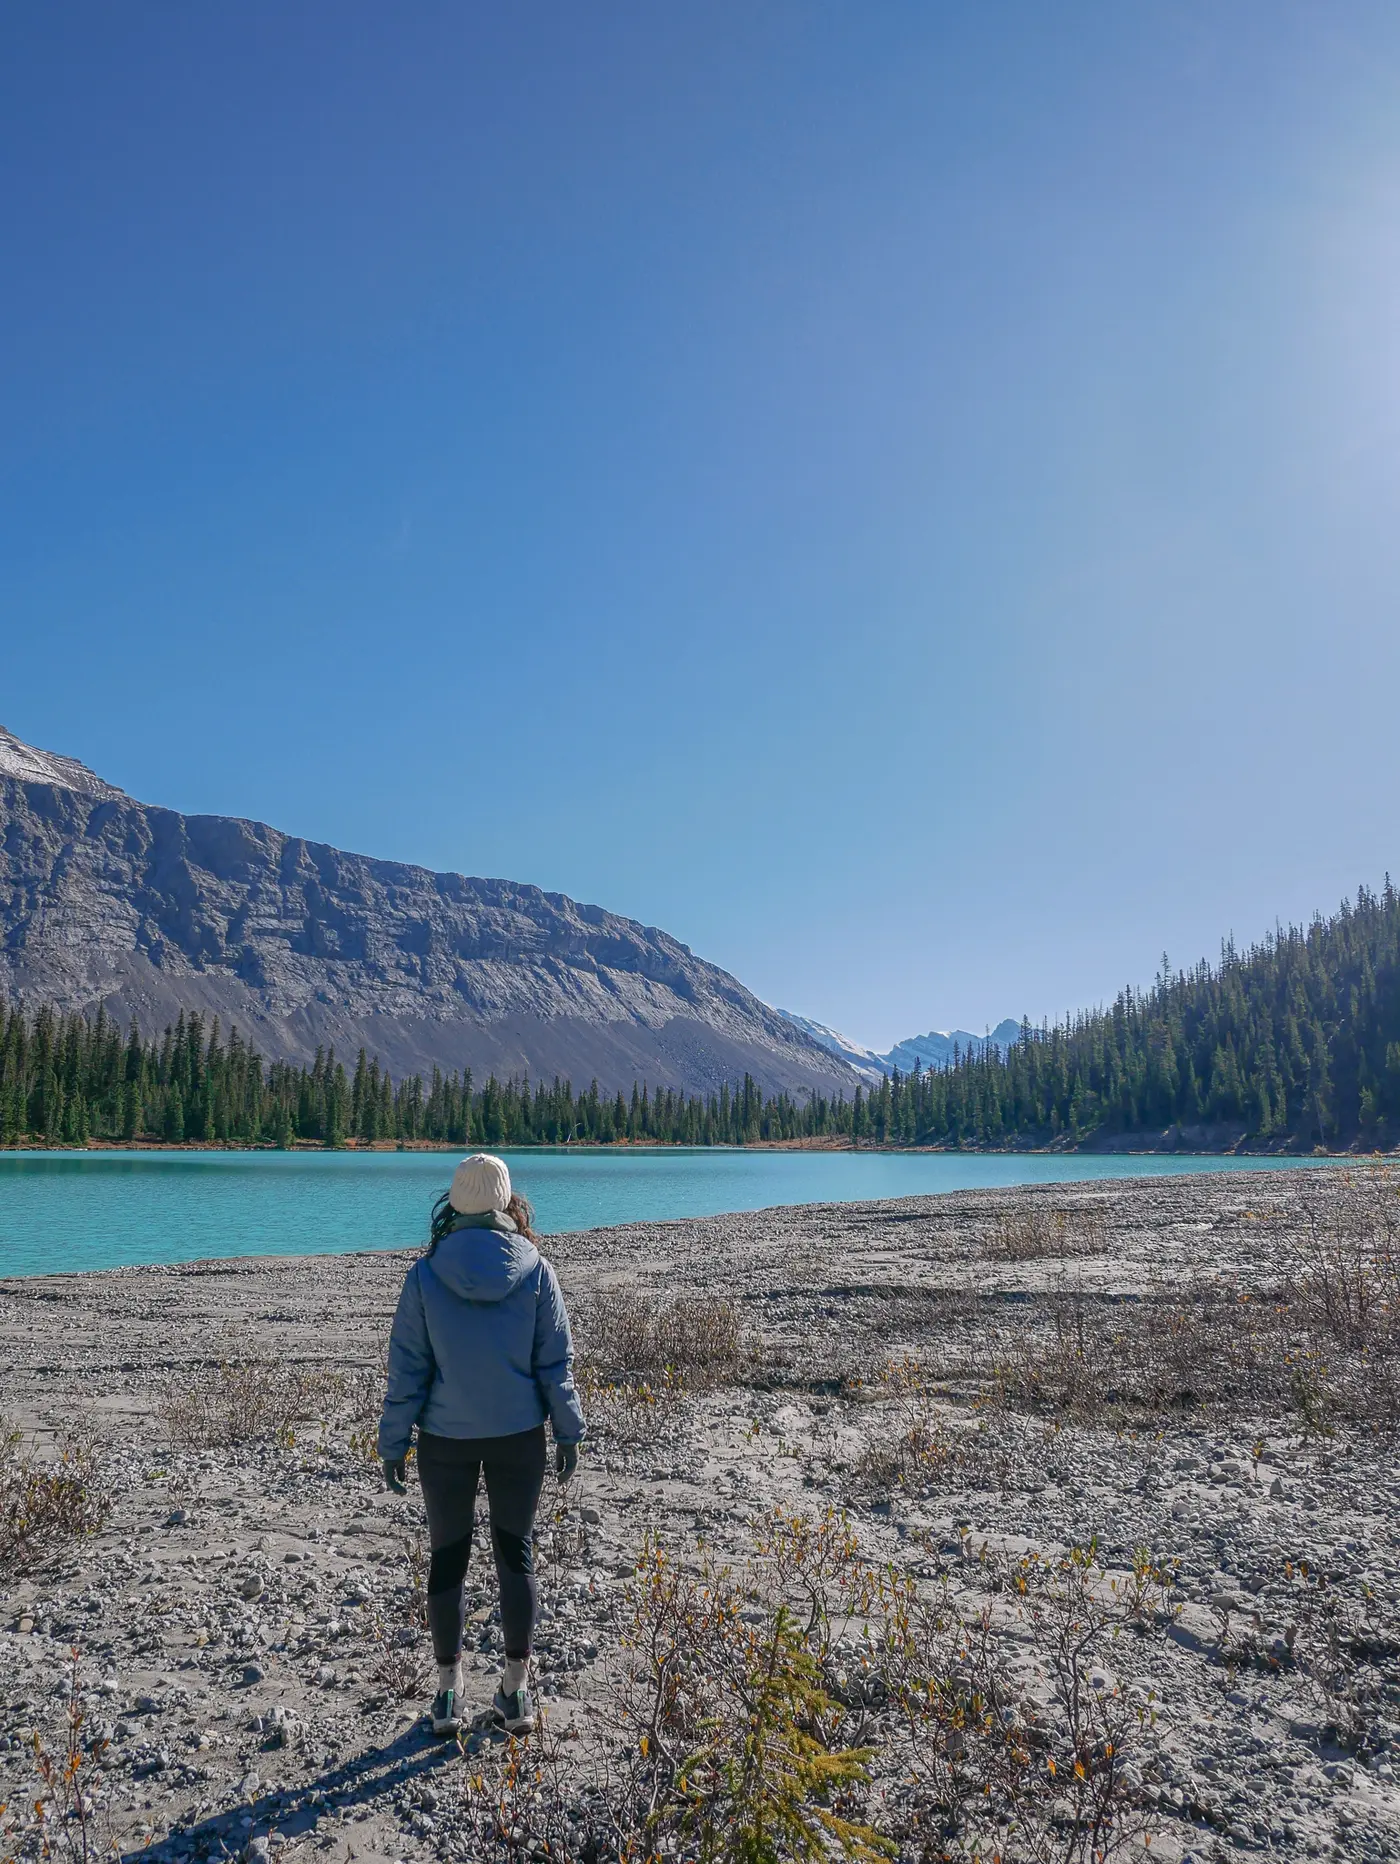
[{"x": 46, "y": 1503}]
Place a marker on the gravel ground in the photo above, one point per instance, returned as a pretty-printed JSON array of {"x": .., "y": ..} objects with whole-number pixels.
[{"x": 244, "y": 1619}]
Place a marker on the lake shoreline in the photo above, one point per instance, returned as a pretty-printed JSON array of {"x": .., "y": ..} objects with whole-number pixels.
[
  {"x": 105, "y": 1207},
  {"x": 1108, "y": 1145}
]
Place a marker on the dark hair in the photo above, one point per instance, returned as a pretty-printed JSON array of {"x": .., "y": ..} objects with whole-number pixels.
[
  {"x": 444, "y": 1216},
  {"x": 519, "y": 1210},
  {"x": 522, "y": 1214}
]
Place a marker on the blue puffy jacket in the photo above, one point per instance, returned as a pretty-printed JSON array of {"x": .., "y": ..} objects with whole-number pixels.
[{"x": 480, "y": 1345}]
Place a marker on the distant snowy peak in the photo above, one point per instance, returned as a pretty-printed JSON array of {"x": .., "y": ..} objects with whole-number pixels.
[
  {"x": 934, "y": 1050},
  {"x": 873, "y": 1067},
  {"x": 27, "y": 765}
]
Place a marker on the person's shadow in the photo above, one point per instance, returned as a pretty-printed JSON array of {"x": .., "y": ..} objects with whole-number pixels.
[{"x": 360, "y": 1782}]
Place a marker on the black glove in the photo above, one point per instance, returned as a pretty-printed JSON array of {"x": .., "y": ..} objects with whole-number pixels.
[
  {"x": 565, "y": 1460},
  {"x": 394, "y": 1473}
]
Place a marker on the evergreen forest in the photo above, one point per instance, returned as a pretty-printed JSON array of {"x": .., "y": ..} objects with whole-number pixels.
[{"x": 1294, "y": 1042}]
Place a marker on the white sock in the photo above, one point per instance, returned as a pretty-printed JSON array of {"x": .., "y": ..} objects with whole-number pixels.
[
  {"x": 514, "y": 1674},
  {"x": 450, "y": 1676}
]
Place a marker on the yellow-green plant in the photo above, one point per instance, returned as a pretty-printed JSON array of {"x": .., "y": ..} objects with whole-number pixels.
[{"x": 760, "y": 1789}]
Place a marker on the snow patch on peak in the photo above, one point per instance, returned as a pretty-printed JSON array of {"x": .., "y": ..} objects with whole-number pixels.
[
  {"x": 27, "y": 764},
  {"x": 937, "y": 1049},
  {"x": 861, "y": 1059}
]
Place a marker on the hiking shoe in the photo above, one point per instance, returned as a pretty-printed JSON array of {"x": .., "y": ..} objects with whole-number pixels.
[
  {"x": 446, "y": 1714},
  {"x": 516, "y": 1712}
]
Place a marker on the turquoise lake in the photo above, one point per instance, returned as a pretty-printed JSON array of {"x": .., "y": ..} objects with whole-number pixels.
[{"x": 95, "y": 1210}]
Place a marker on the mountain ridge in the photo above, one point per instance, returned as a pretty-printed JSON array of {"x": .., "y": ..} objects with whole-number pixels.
[
  {"x": 866, "y": 1062},
  {"x": 934, "y": 1050},
  {"x": 30, "y": 765},
  {"x": 107, "y": 900}
]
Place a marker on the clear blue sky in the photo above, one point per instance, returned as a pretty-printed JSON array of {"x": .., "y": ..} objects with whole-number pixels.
[{"x": 906, "y": 497}]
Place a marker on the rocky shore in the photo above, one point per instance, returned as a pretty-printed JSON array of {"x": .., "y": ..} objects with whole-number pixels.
[{"x": 1119, "y": 1387}]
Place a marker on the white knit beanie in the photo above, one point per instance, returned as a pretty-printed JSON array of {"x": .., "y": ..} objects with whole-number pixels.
[{"x": 480, "y": 1183}]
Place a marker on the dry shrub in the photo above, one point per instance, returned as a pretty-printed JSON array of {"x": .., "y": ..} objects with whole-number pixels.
[
  {"x": 695, "y": 1340},
  {"x": 1199, "y": 1343},
  {"x": 1343, "y": 1271},
  {"x": 993, "y": 1760},
  {"x": 44, "y": 1504},
  {"x": 1320, "y": 1339},
  {"x": 1340, "y": 1299},
  {"x": 1317, "y": 1335},
  {"x": 401, "y": 1667},
  {"x": 813, "y": 1564},
  {"x": 521, "y": 1807},
  {"x": 915, "y": 1446},
  {"x": 1344, "y": 1640},
  {"x": 1338, "y": 1637},
  {"x": 814, "y": 1705},
  {"x": 358, "y": 1399},
  {"x": 1066, "y": 1355},
  {"x": 920, "y": 1454},
  {"x": 244, "y": 1401},
  {"x": 628, "y": 1411},
  {"x": 640, "y": 1358},
  {"x": 357, "y": 1396},
  {"x": 363, "y": 1446},
  {"x": 733, "y": 1744},
  {"x": 1203, "y": 1341},
  {"x": 1032, "y": 1233},
  {"x": 741, "y": 1749},
  {"x": 564, "y": 1541},
  {"x": 70, "y": 1819}
]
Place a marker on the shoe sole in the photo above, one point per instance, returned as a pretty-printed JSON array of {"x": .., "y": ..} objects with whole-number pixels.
[
  {"x": 447, "y": 1728},
  {"x": 516, "y": 1728}
]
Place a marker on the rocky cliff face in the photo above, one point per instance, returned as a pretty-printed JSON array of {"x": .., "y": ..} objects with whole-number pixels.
[{"x": 106, "y": 900}]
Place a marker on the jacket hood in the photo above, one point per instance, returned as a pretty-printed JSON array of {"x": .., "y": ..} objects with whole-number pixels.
[{"x": 482, "y": 1265}]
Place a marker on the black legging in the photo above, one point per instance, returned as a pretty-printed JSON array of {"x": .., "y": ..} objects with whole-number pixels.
[{"x": 449, "y": 1469}]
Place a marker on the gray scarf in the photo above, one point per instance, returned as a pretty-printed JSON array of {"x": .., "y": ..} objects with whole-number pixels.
[{"x": 483, "y": 1220}]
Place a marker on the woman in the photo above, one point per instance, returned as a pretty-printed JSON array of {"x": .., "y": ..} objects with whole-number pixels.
[{"x": 480, "y": 1354}]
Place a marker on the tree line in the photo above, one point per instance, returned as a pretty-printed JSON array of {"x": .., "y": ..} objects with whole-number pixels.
[
  {"x": 1295, "y": 1041},
  {"x": 69, "y": 1078}
]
